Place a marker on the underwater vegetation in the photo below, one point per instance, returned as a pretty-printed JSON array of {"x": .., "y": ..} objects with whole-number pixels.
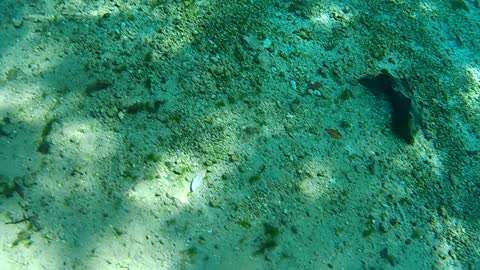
[
  {"x": 270, "y": 239},
  {"x": 405, "y": 118},
  {"x": 44, "y": 146}
]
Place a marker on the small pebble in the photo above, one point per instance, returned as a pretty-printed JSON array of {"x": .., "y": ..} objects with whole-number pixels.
[
  {"x": 121, "y": 115},
  {"x": 314, "y": 92},
  {"x": 17, "y": 22},
  {"x": 293, "y": 84},
  {"x": 267, "y": 43}
]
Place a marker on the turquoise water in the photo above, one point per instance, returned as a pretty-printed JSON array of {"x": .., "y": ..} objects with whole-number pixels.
[{"x": 239, "y": 134}]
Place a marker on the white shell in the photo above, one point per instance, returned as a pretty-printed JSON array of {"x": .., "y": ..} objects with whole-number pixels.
[{"x": 197, "y": 180}]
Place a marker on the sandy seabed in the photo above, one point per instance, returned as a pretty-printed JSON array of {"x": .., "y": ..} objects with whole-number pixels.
[{"x": 320, "y": 134}]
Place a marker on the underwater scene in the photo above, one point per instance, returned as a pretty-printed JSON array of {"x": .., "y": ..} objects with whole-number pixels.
[{"x": 240, "y": 134}]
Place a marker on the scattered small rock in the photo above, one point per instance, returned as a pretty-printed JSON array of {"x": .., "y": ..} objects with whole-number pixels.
[{"x": 17, "y": 22}]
